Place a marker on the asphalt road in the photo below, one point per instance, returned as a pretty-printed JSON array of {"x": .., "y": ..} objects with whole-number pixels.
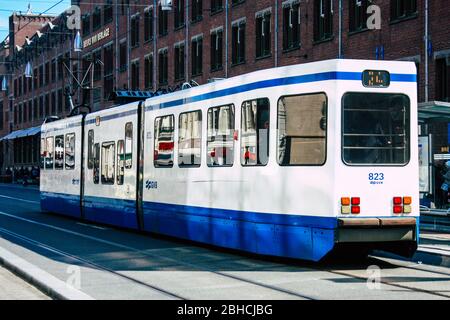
[{"x": 107, "y": 263}]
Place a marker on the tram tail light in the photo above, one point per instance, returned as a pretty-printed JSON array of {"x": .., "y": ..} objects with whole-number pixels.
[
  {"x": 407, "y": 200},
  {"x": 345, "y": 201},
  {"x": 398, "y": 209},
  {"x": 355, "y": 201},
  {"x": 397, "y": 201},
  {"x": 356, "y": 209},
  {"x": 407, "y": 209}
]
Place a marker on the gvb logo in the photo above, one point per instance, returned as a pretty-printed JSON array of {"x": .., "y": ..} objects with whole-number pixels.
[
  {"x": 74, "y": 279},
  {"x": 73, "y": 18},
  {"x": 374, "y": 17},
  {"x": 373, "y": 277}
]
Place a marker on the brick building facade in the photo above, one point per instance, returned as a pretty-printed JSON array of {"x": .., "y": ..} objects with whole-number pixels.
[{"x": 142, "y": 47}]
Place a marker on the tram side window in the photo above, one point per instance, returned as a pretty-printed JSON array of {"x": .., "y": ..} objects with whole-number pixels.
[
  {"x": 375, "y": 128},
  {"x": 108, "y": 160},
  {"x": 120, "y": 162},
  {"x": 255, "y": 117},
  {"x": 50, "y": 153},
  {"x": 220, "y": 143},
  {"x": 128, "y": 145},
  {"x": 59, "y": 152},
  {"x": 43, "y": 152},
  {"x": 96, "y": 171},
  {"x": 91, "y": 149},
  {"x": 70, "y": 151},
  {"x": 190, "y": 139},
  {"x": 302, "y": 129},
  {"x": 164, "y": 141}
]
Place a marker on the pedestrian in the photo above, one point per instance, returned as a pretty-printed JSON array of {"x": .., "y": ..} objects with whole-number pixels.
[{"x": 446, "y": 184}]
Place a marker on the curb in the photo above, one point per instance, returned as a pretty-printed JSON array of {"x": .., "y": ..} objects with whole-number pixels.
[{"x": 45, "y": 282}]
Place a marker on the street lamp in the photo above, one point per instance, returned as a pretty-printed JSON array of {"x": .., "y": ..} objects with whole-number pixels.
[
  {"x": 4, "y": 84},
  {"x": 78, "y": 43},
  {"x": 28, "y": 70}
]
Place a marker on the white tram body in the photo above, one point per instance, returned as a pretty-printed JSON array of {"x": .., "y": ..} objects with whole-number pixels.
[{"x": 293, "y": 161}]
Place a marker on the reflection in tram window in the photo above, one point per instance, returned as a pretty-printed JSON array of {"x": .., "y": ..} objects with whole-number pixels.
[
  {"x": 70, "y": 151},
  {"x": 50, "y": 154},
  {"x": 255, "y": 118},
  {"x": 164, "y": 141},
  {"x": 375, "y": 128},
  {"x": 190, "y": 139},
  {"x": 59, "y": 152},
  {"x": 90, "y": 147},
  {"x": 96, "y": 171},
  {"x": 302, "y": 129},
  {"x": 108, "y": 160},
  {"x": 43, "y": 152},
  {"x": 220, "y": 143},
  {"x": 128, "y": 145},
  {"x": 120, "y": 162}
]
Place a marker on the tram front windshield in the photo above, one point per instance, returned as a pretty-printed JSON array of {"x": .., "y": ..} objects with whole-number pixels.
[{"x": 375, "y": 129}]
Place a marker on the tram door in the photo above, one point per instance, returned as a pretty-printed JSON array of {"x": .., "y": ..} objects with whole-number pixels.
[{"x": 109, "y": 193}]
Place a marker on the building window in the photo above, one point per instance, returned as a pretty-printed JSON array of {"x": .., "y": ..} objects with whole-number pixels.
[
  {"x": 125, "y": 4},
  {"x": 108, "y": 161},
  {"x": 148, "y": 72},
  {"x": 238, "y": 43},
  {"x": 216, "y": 49},
  {"x": 263, "y": 37},
  {"x": 35, "y": 109},
  {"x": 190, "y": 139},
  {"x": 197, "y": 55},
  {"x": 179, "y": 61},
  {"x": 220, "y": 135},
  {"x": 47, "y": 73},
  {"x": 163, "y": 67},
  {"x": 96, "y": 19},
  {"x": 357, "y": 15},
  {"x": 148, "y": 24},
  {"x": 53, "y": 103},
  {"x": 30, "y": 110},
  {"x": 60, "y": 101},
  {"x": 291, "y": 26},
  {"x": 53, "y": 71},
  {"x": 108, "y": 12},
  {"x": 108, "y": 69},
  {"x": 236, "y": 2},
  {"x": 41, "y": 107},
  {"x": 216, "y": 6},
  {"x": 123, "y": 55},
  {"x": 47, "y": 105},
  {"x": 86, "y": 24},
  {"x": 41, "y": 76},
  {"x": 163, "y": 21},
  {"x": 402, "y": 9},
  {"x": 164, "y": 141},
  {"x": 70, "y": 151},
  {"x": 60, "y": 67},
  {"x": 443, "y": 79},
  {"x": 178, "y": 14},
  {"x": 302, "y": 129},
  {"x": 323, "y": 20},
  {"x": 197, "y": 11},
  {"x": 135, "y": 75},
  {"x": 135, "y": 31}
]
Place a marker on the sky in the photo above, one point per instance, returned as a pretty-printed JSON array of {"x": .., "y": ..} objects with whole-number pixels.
[{"x": 7, "y": 7}]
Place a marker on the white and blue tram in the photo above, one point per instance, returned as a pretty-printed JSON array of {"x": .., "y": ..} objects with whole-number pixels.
[{"x": 293, "y": 161}]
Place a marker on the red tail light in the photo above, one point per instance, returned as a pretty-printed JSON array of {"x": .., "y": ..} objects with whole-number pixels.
[
  {"x": 355, "y": 201},
  {"x": 356, "y": 209},
  {"x": 398, "y": 209},
  {"x": 397, "y": 200}
]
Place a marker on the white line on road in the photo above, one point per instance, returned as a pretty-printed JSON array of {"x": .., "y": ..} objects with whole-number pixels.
[{"x": 13, "y": 198}]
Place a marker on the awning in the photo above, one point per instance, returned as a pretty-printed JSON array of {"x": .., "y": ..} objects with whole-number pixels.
[
  {"x": 436, "y": 110},
  {"x": 22, "y": 133}
]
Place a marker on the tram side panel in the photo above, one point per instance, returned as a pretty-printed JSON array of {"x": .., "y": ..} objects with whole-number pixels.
[
  {"x": 267, "y": 208},
  {"x": 110, "y": 166},
  {"x": 60, "y": 175}
]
